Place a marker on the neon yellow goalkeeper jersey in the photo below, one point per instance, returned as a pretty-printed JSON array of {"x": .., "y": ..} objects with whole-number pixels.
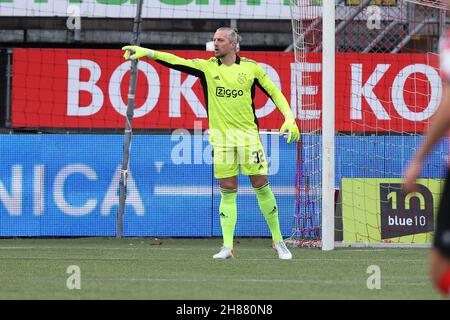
[{"x": 229, "y": 93}]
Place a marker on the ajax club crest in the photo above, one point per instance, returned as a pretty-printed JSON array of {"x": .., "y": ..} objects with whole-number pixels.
[{"x": 242, "y": 78}]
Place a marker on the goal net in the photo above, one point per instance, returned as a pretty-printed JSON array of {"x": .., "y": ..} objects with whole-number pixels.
[{"x": 387, "y": 88}]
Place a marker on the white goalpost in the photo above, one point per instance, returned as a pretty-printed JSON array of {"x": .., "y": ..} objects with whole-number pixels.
[{"x": 328, "y": 107}]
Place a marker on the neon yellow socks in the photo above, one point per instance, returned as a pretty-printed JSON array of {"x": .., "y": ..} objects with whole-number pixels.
[
  {"x": 228, "y": 215},
  {"x": 268, "y": 205}
]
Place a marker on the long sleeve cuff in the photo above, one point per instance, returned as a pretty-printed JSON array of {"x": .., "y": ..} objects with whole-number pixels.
[{"x": 151, "y": 54}]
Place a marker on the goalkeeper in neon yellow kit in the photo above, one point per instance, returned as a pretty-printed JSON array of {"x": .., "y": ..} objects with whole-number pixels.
[{"x": 229, "y": 85}]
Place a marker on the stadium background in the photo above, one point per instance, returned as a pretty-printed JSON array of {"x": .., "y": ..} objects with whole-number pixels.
[{"x": 58, "y": 173}]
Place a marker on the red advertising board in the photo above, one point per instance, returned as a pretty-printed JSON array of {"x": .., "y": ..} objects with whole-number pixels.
[{"x": 80, "y": 88}]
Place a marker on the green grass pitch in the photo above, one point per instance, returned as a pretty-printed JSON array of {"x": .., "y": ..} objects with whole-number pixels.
[{"x": 177, "y": 269}]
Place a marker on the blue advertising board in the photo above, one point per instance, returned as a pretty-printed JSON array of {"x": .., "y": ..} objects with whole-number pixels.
[{"x": 68, "y": 185}]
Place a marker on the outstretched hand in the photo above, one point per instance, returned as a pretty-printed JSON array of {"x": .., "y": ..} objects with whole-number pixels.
[
  {"x": 137, "y": 52},
  {"x": 411, "y": 175}
]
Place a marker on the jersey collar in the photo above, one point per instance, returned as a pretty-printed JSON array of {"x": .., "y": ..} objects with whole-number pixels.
[{"x": 237, "y": 61}]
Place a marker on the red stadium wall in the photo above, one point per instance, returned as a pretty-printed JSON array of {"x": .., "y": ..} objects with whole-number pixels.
[{"x": 82, "y": 88}]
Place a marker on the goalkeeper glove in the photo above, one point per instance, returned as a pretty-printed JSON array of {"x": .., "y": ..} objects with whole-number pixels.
[
  {"x": 290, "y": 126},
  {"x": 139, "y": 52}
]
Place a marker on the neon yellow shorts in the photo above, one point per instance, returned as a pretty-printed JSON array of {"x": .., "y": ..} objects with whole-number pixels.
[{"x": 227, "y": 160}]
